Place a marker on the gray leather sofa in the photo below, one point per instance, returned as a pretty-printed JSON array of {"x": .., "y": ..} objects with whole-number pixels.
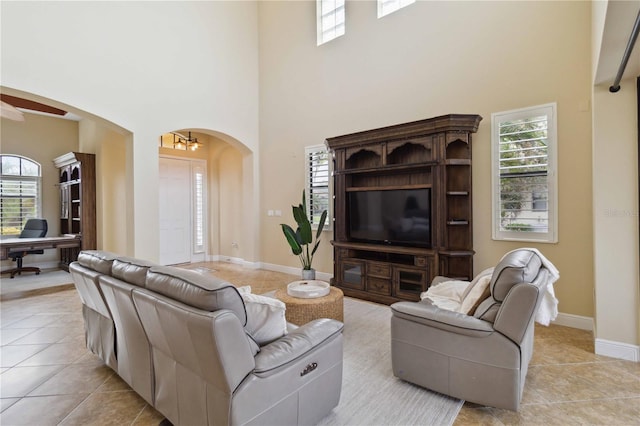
[
  {"x": 178, "y": 339},
  {"x": 481, "y": 358}
]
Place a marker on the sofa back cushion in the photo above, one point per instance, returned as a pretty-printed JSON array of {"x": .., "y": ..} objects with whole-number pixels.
[
  {"x": 197, "y": 290},
  {"x": 97, "y": 260},
  {"x": 133, "y": 271},
  {"x": 520, "y": 266}
]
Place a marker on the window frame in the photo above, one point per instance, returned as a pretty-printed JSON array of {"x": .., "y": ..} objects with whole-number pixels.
[
  {"x": 397, "y": 5},
  {"x": 335, "y": 30},
  {"x": 313, "y": 150},
  {"x": 37, "y": 179},
  {"x": 498, "y": 233}
]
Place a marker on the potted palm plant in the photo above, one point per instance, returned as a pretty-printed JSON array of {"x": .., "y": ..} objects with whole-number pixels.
[{"x": 300, "y": 239}]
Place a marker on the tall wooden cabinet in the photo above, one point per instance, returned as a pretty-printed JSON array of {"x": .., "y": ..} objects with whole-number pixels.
[
  {"x": 77, "y": 174},
  {"x": 434, "y": 153}
]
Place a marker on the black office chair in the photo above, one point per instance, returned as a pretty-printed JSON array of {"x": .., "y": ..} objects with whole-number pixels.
[{"x": 34, "y": 228}]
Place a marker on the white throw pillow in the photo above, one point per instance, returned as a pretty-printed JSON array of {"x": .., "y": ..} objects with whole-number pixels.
[{"x": 265, "y": 316}]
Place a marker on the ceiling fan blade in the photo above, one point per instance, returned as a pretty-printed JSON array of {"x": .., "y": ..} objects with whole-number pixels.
[{"x": 10, "y": 112}]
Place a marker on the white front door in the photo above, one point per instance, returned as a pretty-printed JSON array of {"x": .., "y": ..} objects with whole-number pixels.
[{"x": 175, "y": 211}]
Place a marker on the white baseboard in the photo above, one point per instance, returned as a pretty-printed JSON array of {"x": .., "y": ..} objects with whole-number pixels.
[
  {"x": 618, "y": 350},
  {"x": 234, "y": 260},
  {"x": 574, "y": 321},
  {"x": 324, "y": 276}
]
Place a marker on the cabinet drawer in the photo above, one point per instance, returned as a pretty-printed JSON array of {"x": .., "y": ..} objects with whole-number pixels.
[
  {"x": 379, "y": 286},
  {"x": 382, "y": 270}
]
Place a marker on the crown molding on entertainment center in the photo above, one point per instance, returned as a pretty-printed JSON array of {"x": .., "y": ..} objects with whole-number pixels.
[{"x": 430, "y": 159}]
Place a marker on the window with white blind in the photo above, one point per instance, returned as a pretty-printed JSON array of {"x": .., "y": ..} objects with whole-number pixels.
[
  {"x": 330, "y": 19},
  {"x": 525, "y": 206},
  {"x": 386, "y": 7},
  {"x": 317, "y": 176},
  {"x": 199, "y": 209},
  {"x": 19, "y": 192}
]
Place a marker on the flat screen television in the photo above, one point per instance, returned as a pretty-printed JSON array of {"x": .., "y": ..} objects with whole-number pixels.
[{"x": 395, "y": 217}]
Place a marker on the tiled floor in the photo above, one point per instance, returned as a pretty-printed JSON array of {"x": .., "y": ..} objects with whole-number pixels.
[{"x": 47, "y": 376}]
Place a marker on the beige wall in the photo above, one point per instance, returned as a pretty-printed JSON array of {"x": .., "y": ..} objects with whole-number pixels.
[
  {"x": 41, "y": 139},
  {"x": 429, "y": 59},
  {"x": 112, "y": 205},
  {"x": 615, "y": 206}
]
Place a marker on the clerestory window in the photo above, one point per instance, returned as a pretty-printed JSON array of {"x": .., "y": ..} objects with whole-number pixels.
[
  {"x": 524, "y": 162},
  {"x": 386, "y": 7},
  {"x": 330, "y": 19}
]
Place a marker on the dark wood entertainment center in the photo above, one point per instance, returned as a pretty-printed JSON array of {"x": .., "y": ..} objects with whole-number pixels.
[{"x": 434, "y": 153}]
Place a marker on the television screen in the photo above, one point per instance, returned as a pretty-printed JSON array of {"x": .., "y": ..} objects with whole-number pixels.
[{"x": 397, "y": 216}]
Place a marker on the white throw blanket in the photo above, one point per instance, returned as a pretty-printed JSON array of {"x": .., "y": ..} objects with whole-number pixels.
[
  {"x": 548, "y": 310},
  {"x": 449, "y": 294}
]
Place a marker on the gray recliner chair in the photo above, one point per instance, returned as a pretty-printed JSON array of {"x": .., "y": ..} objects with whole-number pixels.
[{"x": 481, "y": 358}]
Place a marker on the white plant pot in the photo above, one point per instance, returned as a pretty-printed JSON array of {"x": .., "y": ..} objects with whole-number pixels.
[{"x": 308, "y": 274}]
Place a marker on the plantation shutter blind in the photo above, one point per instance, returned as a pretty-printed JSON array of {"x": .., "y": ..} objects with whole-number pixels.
[
  {"x": 317, "y": 179},
  {"x": 526, "y": 176},
  {"x": 18, "y": 198}
]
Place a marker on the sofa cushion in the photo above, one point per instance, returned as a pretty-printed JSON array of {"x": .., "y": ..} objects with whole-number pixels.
[
  {"x": 266, "y": 321},
  {"x": 195, "y": 289},
  {"x": 133, "y": 271},
  {"x": 97, "y": 260}
]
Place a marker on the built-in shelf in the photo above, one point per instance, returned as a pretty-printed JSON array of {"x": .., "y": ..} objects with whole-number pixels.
[
  {"x": 77, "y": 202},
  {"x": 433, "y": 153}
]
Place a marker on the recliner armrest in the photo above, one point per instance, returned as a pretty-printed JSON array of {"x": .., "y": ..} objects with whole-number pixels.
[
  {"x": 431, "y": 315},
  {"x": 295, "y": 344}
]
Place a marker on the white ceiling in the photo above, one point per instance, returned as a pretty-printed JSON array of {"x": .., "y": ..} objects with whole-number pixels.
[{"x": 620, "y": 18}]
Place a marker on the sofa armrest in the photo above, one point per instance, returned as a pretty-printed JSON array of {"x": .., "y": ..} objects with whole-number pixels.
[
  {"x": 517, "y": 311},
  {"x": 431, "y": 315},
  {"x": 296, "y": 344}
]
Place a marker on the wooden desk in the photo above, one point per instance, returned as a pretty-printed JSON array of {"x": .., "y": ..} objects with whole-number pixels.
[{"x": 71, "y": 242}]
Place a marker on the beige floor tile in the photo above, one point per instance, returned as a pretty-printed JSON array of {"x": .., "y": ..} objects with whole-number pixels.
[
  {"x": 57, "y": 353},
  {"x": 37, "y": 321},
  {"x": 11, "y": 355},
  {"x": 6, "y": 403},
  {"x": 43, "y": 335},
  {"x": 113, "y": 384},
  {"x": 148, "y": 417},
  {"x": 107, "y": 408},
  {"x": 19, "y": 381},
  {"x": 9, "y": 335},
  {"x": 41, "y": 411},
  {"x": 76, "y": 378}
]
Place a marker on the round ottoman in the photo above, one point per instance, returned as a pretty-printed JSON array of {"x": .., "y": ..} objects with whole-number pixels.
[{"x": 301, "y": 311}]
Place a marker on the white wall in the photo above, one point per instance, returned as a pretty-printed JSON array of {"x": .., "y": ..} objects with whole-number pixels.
[{"x": 123, "y": 62}]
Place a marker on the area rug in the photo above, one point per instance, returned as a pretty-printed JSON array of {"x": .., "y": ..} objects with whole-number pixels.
[{"x": 371, "y": 394}]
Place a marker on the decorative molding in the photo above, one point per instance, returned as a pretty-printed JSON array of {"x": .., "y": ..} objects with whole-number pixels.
[
  {"x": 574, "y": 321},
  {"x": 617, "y": 350}
]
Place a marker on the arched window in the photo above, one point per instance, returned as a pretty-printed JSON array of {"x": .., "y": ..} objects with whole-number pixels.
[{"x": 20, "y": 181}]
